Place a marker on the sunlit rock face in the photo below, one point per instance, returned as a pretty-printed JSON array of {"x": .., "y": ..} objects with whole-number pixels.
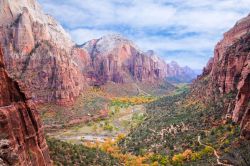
[
  {"x": 40, "y": 53},
  {"x": 114, "y": 58},
  {"x": 230, "y": 58},
  {"x": 230, "y": 71},
  {"x": 22, "y": 139}
]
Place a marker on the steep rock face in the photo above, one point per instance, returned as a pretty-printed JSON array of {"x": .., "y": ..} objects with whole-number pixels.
[
  {"x": 225, "y": 66},
  {"x": 114, "y": 58},
  {"x": 22, "y": 139},
  {"x": 40, "y": 53},
  {"x": 229, "y": 72},
  {"x": 241, "y": 111},
  {"x": 160, "y": 63}
]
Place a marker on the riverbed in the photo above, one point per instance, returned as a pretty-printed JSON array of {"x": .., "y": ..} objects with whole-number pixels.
[{"x": 120, "y": 121}]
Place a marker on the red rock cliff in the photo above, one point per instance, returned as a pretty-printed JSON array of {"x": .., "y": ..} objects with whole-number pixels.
[
  {"x": 114, "y": 58},
  {"x": 40, "y": 53},
  {"x": 229, "y": 72},
  {"x": 22, "y": 139}
]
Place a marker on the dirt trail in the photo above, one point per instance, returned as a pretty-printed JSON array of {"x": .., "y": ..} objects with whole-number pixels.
[
  {"x": 215, "y": 153},
  {"x": 140, "y": 91}
]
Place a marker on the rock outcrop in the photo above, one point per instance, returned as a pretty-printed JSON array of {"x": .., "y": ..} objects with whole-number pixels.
[
  {"x": 229, "y": 72},
  {"x": 40, "y": 53},
  {"x": 22, "y": 139},
  {"x": 116, "y": 59}
]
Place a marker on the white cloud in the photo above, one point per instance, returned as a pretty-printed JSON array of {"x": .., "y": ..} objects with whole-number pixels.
[
  {"x": 196, "y": 62},
  {"x": 188, "y": 44},
  {"x": 207, "y": 19},
  {"x": 82, "y": 35},
  {"x": 145, "y": 15}
]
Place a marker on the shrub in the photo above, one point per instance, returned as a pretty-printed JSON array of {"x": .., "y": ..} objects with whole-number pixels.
[
  {"x": 108, "y": 127},
  {"x": 178, "y": 159},
  {"x": 200, "y": 154},
  {"x": 207, "y": 150}
]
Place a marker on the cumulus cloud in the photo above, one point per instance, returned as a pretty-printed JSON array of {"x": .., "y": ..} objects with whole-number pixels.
[
  {"x": 80, "y": 35},
  {"x": 181, "y": 30}
]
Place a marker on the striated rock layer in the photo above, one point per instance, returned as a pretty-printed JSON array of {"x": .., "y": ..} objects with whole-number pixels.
[
  {"x": 229, "y": 72},
  {"x": 116, "y": 59},
  {"x": 22, "y": 139},
  {"x": 40, "y": 53}
]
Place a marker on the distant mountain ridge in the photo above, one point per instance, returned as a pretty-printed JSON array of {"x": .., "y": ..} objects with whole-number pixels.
[
  {"x": 214, "y": 112},
  {"x": 117, "y": 59},
  {"x": 142, "y": 66},
  {"x": 178, "y": 74}
]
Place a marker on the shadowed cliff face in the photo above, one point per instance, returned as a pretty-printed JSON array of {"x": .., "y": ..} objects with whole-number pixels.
[
  {"x": 22, "y": 139},
  {"x": 229, "y": 72}
]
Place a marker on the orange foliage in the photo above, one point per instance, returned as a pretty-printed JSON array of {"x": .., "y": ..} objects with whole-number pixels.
[
  {"x": 187, "y": 154},
  {"x": 134, "y": 100},
  {"x": 110, "y": 146}
]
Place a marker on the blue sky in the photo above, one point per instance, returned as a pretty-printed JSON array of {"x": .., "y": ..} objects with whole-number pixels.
[{"x": 182, "y": 30}]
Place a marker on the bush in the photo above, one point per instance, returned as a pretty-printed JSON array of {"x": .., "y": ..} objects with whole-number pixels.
[
  {"x": 108, "y": 126},
  {"x": 207, "y": 150},
  {"x": 178, "y": 159}
]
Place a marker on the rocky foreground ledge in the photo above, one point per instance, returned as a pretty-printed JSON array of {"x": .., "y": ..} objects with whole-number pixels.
[{"x": 22, "y": 139}]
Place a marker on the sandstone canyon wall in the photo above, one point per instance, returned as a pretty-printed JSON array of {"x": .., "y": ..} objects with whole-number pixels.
[
  {"x": 229, "y": 72},
  {"x": 117, "y": 59},
  {"x": 40, "y": 53},
  {"x": 22, "y": 139},
  {"x": 114, "y": 58}
]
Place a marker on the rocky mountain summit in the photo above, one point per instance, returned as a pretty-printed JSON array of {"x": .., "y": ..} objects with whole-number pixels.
[
  {"x": 22, "y": 139},
  {"x": 117, "y": 59},
  {"x": 39, "y": 52}
]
